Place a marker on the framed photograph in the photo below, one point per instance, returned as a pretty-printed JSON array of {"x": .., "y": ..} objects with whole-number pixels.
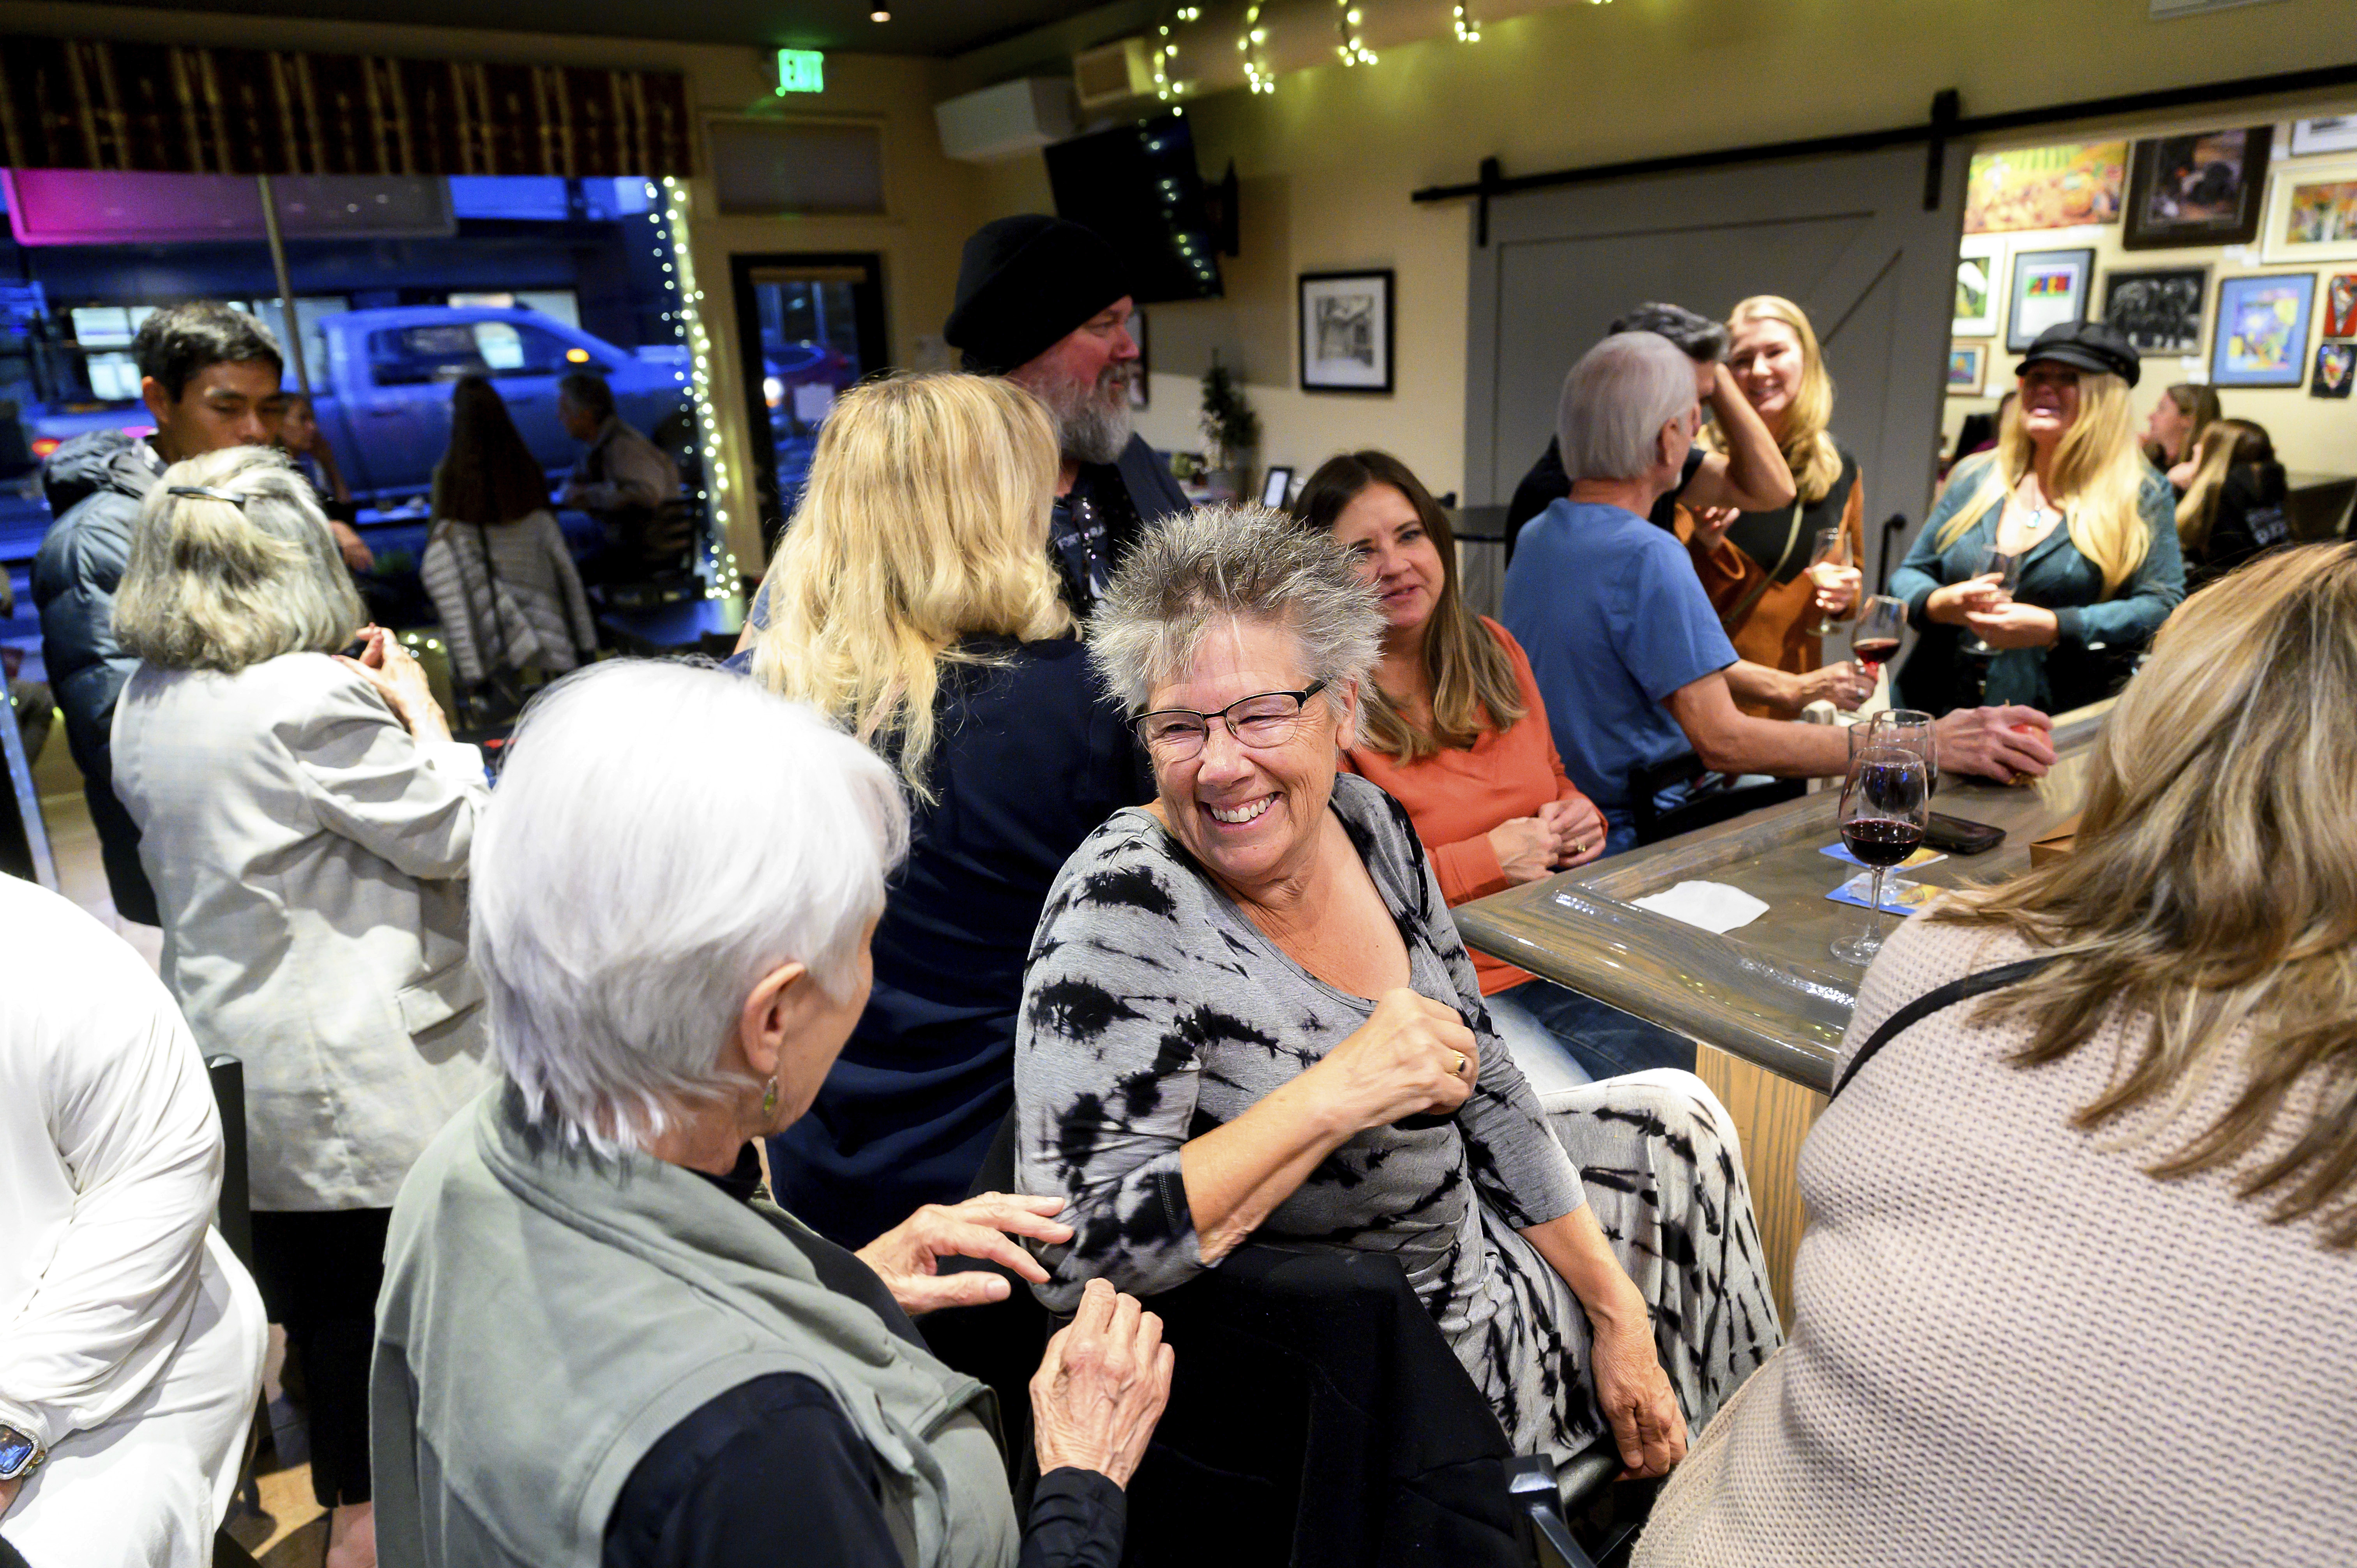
[
  {"x": 2159, "y": 310},
  {"x": 2261, "y": 339},
  {"x": 1142, "y": 367},
  {"x": 1345, "y": 331},
  {"x": 1980, "y": 272},
  {"x": 2312, "y": 212},
  {"x": 2341, "y": 306},
  {"x": 2338, "y": 135},
  {"x": 2202, "y": 190},
  {"x": 2336, "y": 366},
  {"x": 2045, "y": 187},
  {"x": 1967, "y": 369},
  {"x": 1276, "y": 488},
  {"x": 2050, "y": 287}
]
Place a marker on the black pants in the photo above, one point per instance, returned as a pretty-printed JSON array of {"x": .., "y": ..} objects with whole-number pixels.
[{"x": 319, "y": 1273}]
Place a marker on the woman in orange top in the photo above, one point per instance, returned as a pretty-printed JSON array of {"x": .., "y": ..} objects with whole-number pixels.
[{"x": 1453, "y": 727}]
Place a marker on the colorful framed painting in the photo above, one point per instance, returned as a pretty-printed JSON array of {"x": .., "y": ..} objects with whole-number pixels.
[
  {"x": 2260, "y": 337},
  {"x": 2160, "y": 309},
  {"x": 2202, "y": 189},
  {"x": 1980, "y": 286},
  {"x": 2336, "y": 366},
  {"x": 1967, "y": 369},
  {"x": 2312, "y": 212},
  {"x": 2050, "y": 287},
  {"x": 2045, "y": 187},
  {"x": 2341, "y": 306}
]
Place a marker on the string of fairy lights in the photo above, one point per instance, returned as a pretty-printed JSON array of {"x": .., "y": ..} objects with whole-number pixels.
[
  {"x": 680, "y": 266},
  {"x": 1252, "y": 42},
  {"x": 1352, "y": 46}
]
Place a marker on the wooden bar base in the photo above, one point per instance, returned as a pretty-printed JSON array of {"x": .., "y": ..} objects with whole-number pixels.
[{"x": 1773, "y": 1116}]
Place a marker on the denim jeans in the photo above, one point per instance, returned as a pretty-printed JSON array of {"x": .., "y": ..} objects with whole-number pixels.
[{"x": 1560, "y": 1038}]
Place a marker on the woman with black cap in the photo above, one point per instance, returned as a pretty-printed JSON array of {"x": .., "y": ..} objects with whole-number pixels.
[{"x": 2070, "y": 510}]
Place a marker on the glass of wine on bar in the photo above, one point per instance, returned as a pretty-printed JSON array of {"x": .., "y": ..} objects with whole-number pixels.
[
  {"x": 1885, "y": 806},
  {"x": 1874, "y": 640},
  {"x": 1910, "y": 730}
]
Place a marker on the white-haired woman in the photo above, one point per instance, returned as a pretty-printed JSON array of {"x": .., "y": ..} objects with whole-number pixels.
[
  {"x": 304, "y": 819},
  {"x": 914, "y": 601},
  {"x": 2088, "y": 525},
  {"x": 1249, "y": 1015},
  {"x": 2083, "y": 1219},
  {"x": 599, "y": 1343}
]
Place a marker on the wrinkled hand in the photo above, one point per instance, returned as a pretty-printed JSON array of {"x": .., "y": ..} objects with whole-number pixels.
[
  {"x": 2009, "y": 623},
  {"x": 1579, "y": 830},
  {"x": 401, "y": 680},
  {"x": 1404, "y": 1061},
  {"x": 1838, "y": 588},
  {"x": 357, "y": 555},
  {"x": 2006, "y": 743},
  {"x": 1101, "y": 1386},
  {"x": 1845, "y": 685},
  {"x": 1949, "y": 605},
  {"x": 1710, "y": 525},
  {"x": 908, "y": 1257},
  {"x": 1525, "y": 848},
  {"x": 1635, "y": 1396}
]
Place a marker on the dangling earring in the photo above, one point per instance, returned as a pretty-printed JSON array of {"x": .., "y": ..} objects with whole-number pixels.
[{"x": 770, "y": 1099}]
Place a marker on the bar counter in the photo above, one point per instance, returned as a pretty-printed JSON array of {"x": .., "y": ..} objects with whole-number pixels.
[{"x": 1768, "y": 994}]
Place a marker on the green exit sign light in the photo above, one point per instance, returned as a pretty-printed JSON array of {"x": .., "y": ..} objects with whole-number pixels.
[{"x": 801, "y": 70}]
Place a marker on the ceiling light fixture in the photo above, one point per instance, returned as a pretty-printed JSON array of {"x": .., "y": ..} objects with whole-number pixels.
[{"x": 879, "y": 15}]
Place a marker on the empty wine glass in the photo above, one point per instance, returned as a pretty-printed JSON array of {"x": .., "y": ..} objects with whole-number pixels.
[
  {"x": 1832, "y": 549},
  {"x": 1874, "y": 640},
  {"x": 2007, "y": 568},
  {"x": 1885, "y": 806},
  {"x": 1908, "y": 730}
]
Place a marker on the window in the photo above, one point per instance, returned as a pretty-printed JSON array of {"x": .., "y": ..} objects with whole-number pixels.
[
  {"x": 420, "y": 356},
  {"x": 511, "y": 349}
]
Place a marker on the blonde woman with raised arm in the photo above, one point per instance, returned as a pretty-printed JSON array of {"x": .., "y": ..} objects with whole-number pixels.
[
  {"x": 2090, "y": 528},
  {"x": 2082, "y": 1229},
  {"x": 914, "y": 601}
]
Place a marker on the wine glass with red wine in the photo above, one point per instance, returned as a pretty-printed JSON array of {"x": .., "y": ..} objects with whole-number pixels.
[
  {"x": 1885, "y": 806},
  {"x": 1874, "y": 640}
]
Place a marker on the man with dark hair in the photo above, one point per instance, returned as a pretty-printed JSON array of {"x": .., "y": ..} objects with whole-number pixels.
[
  {"x": 210, "y": 376},
  {"x": 1046, "y": 304},
  {"x": 622, "y": 480},
  {"x": 1749, "y": 476}
]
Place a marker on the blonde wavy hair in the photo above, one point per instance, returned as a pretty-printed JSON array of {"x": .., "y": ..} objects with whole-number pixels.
[
  {"x": 2097, "y": 479},
  {"x": 2212, "y": 885},
  {"x": 924, "y": 523},
  {"x": 1809, "y": 451}
]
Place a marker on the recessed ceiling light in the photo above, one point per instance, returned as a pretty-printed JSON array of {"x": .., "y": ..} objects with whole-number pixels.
[{"x": 879, "y": 15}]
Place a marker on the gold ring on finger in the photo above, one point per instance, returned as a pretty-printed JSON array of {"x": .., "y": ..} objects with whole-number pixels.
[{"x": 1458, "y": 1070}]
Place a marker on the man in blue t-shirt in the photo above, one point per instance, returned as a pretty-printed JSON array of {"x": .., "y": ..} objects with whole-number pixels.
[{"x": 1629, "y": 654}]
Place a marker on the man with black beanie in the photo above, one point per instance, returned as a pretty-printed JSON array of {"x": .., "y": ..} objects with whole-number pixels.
[{"x": 1046, "y": 304}]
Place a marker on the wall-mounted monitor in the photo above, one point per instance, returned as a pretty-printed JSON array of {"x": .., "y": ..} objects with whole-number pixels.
[{"x": 1138, "y": 186}]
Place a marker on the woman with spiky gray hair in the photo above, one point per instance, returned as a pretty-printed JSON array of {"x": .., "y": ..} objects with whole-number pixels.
[{"x": 1248, "y": 1014}]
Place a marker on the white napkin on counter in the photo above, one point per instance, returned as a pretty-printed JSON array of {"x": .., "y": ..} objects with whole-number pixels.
[{"x": 1712, "y": 905}]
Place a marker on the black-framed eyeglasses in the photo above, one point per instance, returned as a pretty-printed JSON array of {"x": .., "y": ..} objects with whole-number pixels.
[{"x": 1262, "y": 719}]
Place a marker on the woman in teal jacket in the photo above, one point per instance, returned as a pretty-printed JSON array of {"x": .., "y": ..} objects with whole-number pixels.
[{"x": 2092, "y": 523}]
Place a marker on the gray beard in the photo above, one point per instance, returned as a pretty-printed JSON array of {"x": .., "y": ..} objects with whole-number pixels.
[{"x": 1092, "y": 423}]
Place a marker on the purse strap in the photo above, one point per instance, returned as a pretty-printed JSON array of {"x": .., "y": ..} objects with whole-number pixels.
[
  {"x": 1932, "y": 1002},
  {"x": 1733, "y": 617}
]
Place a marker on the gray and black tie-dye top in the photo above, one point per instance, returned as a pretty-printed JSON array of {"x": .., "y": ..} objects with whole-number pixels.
[{"x": 1154, "y": 1012}]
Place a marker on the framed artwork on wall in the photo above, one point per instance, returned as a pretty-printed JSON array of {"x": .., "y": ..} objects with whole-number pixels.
[
  {"x": 2045, "y": 187},
  {"x": 1980, "y": 272},
  {"x": 1967, "y": 369},
  {"x": 2341, "y": 306},
  {"x": 2202, "y": 189},
  {"x": 2312, "y": 212},
  {"x": 1140, "y": 392},
  {"x": 2335, "y": 364},
  {"x": 2337, "y": 135},
  {"x": 2159, "y": 310},
  {"x": 2050, "y": 287},
  {"x": 1345, "y": 331},
  {"x": 2261, "y": 338}
]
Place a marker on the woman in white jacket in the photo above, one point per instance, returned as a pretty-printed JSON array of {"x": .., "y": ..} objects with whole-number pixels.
[
  {"x": 305, "y": 820},
  {"x": 131, "y": 1340}
]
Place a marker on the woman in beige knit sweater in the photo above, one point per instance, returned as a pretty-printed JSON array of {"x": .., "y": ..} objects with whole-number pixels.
[{"x": 2079, "y": 1284}]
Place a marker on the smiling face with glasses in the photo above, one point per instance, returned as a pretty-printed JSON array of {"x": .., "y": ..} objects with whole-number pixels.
[{"x": 1243, "y": 750}]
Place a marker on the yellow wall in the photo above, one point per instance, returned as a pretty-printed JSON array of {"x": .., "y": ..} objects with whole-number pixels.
[
  {"x": 2311, "y": 435},
  {"x": 1328, "y": 160},
  {"x": 933, "y": 203}
]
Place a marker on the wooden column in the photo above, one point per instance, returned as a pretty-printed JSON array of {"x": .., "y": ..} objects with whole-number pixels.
[{"x": 1772, "y": 1115}]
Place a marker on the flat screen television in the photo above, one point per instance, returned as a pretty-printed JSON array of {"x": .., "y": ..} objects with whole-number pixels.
[{"x": 1137, "y": 187}]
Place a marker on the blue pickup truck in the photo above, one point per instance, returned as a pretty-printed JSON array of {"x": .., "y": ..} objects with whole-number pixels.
[{"x": 383, "y": 395}]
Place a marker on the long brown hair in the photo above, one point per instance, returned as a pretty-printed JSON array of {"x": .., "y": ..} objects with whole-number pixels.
[
  {"x": 2196, "y": 402},
  {"x": 488, "y": 474},
  {"x": 1473, "y": 684},
  {"x": 2224, "y": 446},
  {"x": 2212, "y": 888}
]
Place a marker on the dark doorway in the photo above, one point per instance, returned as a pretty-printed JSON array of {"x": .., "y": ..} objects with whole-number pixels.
[{"x": 809, "y": 328}]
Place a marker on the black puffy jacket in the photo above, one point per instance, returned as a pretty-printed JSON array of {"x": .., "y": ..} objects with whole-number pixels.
[{"x": 96, "y": 484}]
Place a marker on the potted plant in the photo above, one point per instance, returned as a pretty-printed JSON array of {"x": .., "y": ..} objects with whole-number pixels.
[{"x": 1231, "y": 432}]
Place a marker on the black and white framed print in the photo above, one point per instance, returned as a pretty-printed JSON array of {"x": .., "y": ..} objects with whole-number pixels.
[
  {"x": 2159, "y": 310},
  {"x": 1345, "y": 331}
]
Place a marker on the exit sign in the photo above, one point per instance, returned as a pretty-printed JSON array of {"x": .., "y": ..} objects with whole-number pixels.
[{"x": 801, "y": 70}]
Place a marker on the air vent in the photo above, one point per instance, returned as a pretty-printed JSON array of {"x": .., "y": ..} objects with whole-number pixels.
[{"x": 1112, "y": 73}]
